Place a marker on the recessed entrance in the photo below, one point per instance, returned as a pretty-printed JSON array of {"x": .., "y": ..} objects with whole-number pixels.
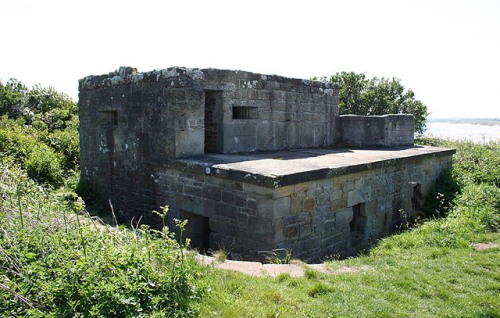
[
  {"x": 358, "y": 221},
  {"x": 213, "y": 110},
  {"x": 416, "y": 199},
  {"x": 198, "y": 230}
]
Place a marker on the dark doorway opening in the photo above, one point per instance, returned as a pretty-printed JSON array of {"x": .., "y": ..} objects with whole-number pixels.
[
  {"x": 358, "y": 222},
  {"x": 416, "y": 199},
  {"x": 213, "y": 117},
  {"x": 197, "y": 230}
]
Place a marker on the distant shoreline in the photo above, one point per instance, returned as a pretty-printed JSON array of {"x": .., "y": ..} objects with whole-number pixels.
[
  {"x": 480, "y": 131},
  {"x": 470, "y": 121}
]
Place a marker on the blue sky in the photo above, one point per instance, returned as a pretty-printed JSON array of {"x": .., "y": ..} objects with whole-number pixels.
[{"x": 447, "y": 52}]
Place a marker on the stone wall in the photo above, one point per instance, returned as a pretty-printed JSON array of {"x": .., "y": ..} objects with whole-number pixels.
[
  {"x": 233, "y": 210},
  {"x": 135, "y": 128},
  {"x": 254, "y": 112},
  {"x": 342, "y": 215},
  {"x": 271, "y": 113},
  {"x": 132, "y": 121},
  {"x": 334, "y": 216},
  {"x": 377, "y": 131}
]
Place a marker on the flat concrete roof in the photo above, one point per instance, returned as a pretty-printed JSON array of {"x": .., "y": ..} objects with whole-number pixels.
[{"x": 284, "y": 168}]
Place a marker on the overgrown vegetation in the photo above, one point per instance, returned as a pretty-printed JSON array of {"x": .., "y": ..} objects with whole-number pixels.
[
  {"x": 39, "y": 131},
  {"x": 57, "y": 261}
]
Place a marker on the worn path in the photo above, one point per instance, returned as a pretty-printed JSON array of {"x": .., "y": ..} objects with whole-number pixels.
[{"x": 296, "y": 269}]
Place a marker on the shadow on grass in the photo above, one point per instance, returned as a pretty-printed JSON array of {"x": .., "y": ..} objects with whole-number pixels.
[{"x": 438, "y": 202}]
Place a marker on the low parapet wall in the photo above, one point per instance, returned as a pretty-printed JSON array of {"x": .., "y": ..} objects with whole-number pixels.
[{"x": 377, "y": 131}]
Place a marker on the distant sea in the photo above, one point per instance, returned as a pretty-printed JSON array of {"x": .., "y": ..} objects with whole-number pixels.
[{"x": 479, "y": 130}]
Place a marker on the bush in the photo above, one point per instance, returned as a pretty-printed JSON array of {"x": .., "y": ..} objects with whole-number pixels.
[
  {"x": 474, "y": 162},
  {"x": 55, "y": 261},
  {"x": 39, "y": 131},
  {"x": 44, "y": 165},
  {"x": 23, "y": 144}
]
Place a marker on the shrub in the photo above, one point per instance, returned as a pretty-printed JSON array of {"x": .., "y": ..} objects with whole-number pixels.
[
  {"x": 44, "y": 165},
  {"x": 39, "y": 130},
  {"x": 473, "y": 162},
  {"x": 56, "y": 261}
]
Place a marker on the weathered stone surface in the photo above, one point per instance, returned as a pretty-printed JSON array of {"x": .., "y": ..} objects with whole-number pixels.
[
  {"x": 377, "y": 131},
  {"x": 250, "y": 158}
]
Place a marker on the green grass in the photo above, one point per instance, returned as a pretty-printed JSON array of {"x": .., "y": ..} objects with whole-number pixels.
[
  {"x": 414, "y": 282},
  {"x": 424, "y": 282},
  {"x": 432, "y": 270},
  {"x": 55, "y": 262}
]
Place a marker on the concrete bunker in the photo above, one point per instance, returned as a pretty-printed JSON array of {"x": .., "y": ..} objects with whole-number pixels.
[{"x": 254, "y": 162}]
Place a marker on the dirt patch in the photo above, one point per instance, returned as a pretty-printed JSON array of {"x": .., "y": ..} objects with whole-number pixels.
[
  {"x": 341, "y": 270},
  {"x": 485, "y": 246},
  {"x": 296, "y": 269}
]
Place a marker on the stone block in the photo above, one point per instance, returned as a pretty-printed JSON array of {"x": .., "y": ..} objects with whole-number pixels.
[
  {"x": 240, "y": 198},
  {"x": 309, "y": 204},
  {"x": 193, "y": 190},
  {"x": 305, "y": 230},
  {"x": 291, "y": 231},
  {"x": 354, "y": 197},
  {"x": 260, "y": 225},
  {"x": 338, "y": 204},
  {"x": 190, "y": 203},
  {"x": 343, "y": 218},
  {"x": 251, "y": 204},
  {"x": 227, "y": 197},
  {"x": 212, "y": 192},
  {"x": 243, "y": 219},
  {"x": 296, "y": 204},
  {"x": 330, "y": 241},
  {"x": 282, "y": 207},
  {"x": 265, "y": 136}
]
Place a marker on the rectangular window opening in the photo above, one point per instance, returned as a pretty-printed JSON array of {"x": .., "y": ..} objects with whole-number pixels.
[
  {"x": 109, "y": 117},
  {"x": 245, "y": 112}
]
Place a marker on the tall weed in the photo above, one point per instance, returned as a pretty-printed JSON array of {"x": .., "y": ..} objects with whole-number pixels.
[{"x": 56, "y": 261}]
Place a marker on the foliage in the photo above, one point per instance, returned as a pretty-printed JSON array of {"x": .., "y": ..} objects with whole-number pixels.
[
  {"x": 474, "y": 162},
  {"x": 359, "y": 95},
  {"x": 57, "y": 262},
  {"x": 12, "y": 98},
  {"x": 432, "y": 270},
  {"x": 40, "y": 106},
  {"x": 39, "y": 131}
]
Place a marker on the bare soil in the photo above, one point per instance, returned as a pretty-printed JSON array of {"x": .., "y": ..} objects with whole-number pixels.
[
  {"x": 295, "y": 269},
  {"x": 485, "y": 246}
]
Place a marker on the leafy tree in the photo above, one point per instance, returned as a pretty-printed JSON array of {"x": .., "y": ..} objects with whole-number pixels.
[
  {"x": 51, "y": 107},
  {"x": 377, "y": 96},
  {"x": 39, "y": 131},
  {"x": 12, "y": 98}
]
